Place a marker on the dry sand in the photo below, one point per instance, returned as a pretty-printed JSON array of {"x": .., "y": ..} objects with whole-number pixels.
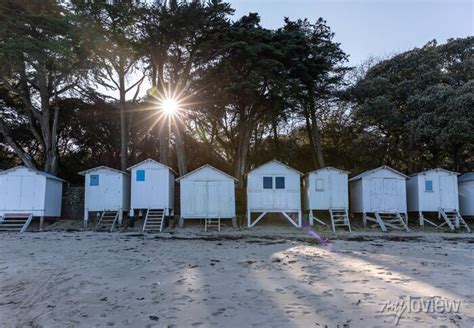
[{"x": 85, "y": 279}]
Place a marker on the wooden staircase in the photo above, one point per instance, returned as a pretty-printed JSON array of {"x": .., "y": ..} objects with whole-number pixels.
[
  {"x": 15, "y": 222},
  {"x": 453, "y": 220},
  {"x": 212, "y": 223},
  {"x": 154, "y": 220},
  {"x": 393, "y": 220},
  {"x": 107, "y": 221},
  {"x": 339, "y": 218}
]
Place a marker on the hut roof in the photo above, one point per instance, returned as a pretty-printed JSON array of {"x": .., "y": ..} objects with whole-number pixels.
[
  {"x": 277, "y": 162},
  {"x": 366, "y": 173},
  {"x": 50, "y": 176},
  {"x": 329, "y": 168},
  {"x": 202, "y": 167},
  {"x": 466, "y": 177},
  {"x": 102, "y": 167},
  {"x": 438, "y": 169},
  {"x": 149, "y": 160}
]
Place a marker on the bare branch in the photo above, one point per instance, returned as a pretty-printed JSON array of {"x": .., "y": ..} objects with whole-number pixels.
[{"x": 139, "y": 82}]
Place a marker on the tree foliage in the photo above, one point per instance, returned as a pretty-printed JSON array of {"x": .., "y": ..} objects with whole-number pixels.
[
  {"x": 420, "y": 104},
  {"x": 41, "y": 61},
  {"x": 248, "y": 93}
]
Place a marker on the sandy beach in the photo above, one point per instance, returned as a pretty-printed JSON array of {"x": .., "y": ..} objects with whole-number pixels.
[{"x": 191, "y": 279}]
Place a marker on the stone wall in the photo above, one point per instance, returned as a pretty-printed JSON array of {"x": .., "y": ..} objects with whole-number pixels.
[{"x": 73, "y": 203}]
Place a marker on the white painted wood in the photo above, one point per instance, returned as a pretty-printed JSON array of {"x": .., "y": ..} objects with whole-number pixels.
[
  {"x": 157, "y": 189},
  {"x": 466, "y": 194},
  {"x": 24, "y": 190},
  {"x": 274, "y": 200},
  {"x": 207, "y": 193},
  {"x": 111, "y": 194},
  {"x": 379, "y": 190},
  {"x": 443, "y": 194},
  {"x": 325, "y": 189}
]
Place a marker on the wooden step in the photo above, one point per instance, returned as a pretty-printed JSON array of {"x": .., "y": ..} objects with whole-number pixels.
[
  {"x": 390, "y": 220},
  {"x": 107, "y": 221},
  {"x": 212, "y": 222},
  {"x": 339, "y": 218},
  {"x": 154, "y": 220},
  {"x": 18, "y": 222}
]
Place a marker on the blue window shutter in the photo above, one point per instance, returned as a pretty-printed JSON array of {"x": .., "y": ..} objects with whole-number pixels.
[
  {"x": 94, "y": 180},
  {"x": 280, "y": 183},
  {"x": 428, "y": 185},
  {"x": 267, "y": 183},
  {"x": 140, "y": 175}
]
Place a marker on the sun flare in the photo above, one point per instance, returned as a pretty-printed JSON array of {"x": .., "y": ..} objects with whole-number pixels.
[{"x": 169, "y": 106}]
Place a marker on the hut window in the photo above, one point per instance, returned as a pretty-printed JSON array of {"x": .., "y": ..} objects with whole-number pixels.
[
  {"x": 94, "y": 180},
  {"x": 319, "y": 184},
  {"x": 428, "y": 185},
  {"x": 280, "y": 183},
  {"x": 267, "y": 183},
  {"x": 140, "y": 175}
]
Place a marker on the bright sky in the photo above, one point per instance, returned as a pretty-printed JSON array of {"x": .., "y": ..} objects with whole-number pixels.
[{"x": 376, "y": 28}]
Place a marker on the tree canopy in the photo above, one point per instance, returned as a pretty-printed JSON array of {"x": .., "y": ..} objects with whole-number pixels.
[
  {"x": 420, "y": 105},
  {"x": 73, "y": 80}
]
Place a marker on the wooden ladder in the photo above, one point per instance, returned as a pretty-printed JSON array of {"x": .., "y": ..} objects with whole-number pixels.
[
  {"x": 453, "y": 220},
  {"x": 212, "y": 222},
  {"x": 107, "y": 221},
  {"x": 15, "y": 222},
  {"x": 339, "y": 218},
  {"x": 154, "y": 220},
  {"x": 392, "y": 220}
]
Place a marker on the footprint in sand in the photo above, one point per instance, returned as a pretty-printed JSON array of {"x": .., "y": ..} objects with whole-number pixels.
[{"x": 218, "y": 312}]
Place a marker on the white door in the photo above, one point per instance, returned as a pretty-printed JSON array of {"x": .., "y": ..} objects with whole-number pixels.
[
  {"x": 157, "y": 184},
  {"x": 213, "y": 199},
  {"x": 279, "y": 199},
  {"x": 268, "y": 198},
  {"x": 376, "y": 194},
  {"x": 447, "y": 192},
  {"x": 338, "y": 186},
  {"x": 13, "y": 196},
  {"x": 200, "y": 199},
  {"x": 27, "y": 201},
  {"x": 112, "y": 193},
  {"x": 390, "y": 195}
]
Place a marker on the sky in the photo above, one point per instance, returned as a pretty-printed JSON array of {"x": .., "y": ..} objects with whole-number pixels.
[{"x": 372, "y": 28}]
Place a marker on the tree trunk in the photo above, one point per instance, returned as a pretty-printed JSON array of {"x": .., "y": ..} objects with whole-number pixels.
[
  {"x": 317, "y": 139},
  {"x": 243, "y": 146},
  {"x": 163, "y": 141},
  {"x": 123, "y": 124},
  {"x": 275, "y": 137},
  {"x": 164, "y": 127},
  {"x": 315, "y": 136},
  {"x": 180, "y": 150},
  {"x": 25, "y": 158},
  {"x": 310, "y": 135},
  {"x": 53, "y": 153}
]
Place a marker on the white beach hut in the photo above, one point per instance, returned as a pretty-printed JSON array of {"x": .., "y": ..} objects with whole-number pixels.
[
  {"x": 380, "y": 196},
  {"x": 107, "y": 193},
  {"x": 435, "y": 191},
  {"x": 207, "y": 193},
  {"x": 152, "y": 192},
  {"x": 327, "y": 189},
  {"x": 26, "y": 193},
  {"x": 274, "y": 188},
  {"x": 466, "y": 194}
]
